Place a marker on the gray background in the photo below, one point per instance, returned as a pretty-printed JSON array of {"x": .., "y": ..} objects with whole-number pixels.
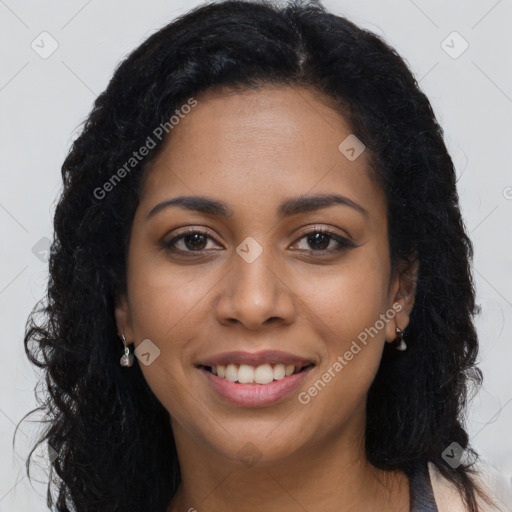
[{"x": 43, "y": 101}]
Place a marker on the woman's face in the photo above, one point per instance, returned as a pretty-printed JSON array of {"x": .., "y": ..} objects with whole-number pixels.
[{"x": 260, "y": 274}]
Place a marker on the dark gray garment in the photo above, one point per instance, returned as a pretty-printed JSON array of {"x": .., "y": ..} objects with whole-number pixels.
[{"x": 422, "y": 494}]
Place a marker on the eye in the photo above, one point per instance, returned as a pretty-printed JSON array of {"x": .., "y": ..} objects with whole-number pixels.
[
  {"x": 324, "y": 241},
  {"x": 192, "y": 240},
  {"x": 320, "y": 240}
]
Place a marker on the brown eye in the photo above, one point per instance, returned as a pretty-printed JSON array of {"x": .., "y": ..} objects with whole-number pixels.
[
  {"x": 195, "y": 241},
  {"x": 189, "y": 241},
  {"x": 320, "y": 240}
]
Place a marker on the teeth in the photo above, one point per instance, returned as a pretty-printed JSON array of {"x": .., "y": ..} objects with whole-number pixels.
[
  {"x": 246, "y": 374},
  {"x": 280, "y": 371},
  {"x": 263, "y": 374},
  {"x": 231, "y": 372}
]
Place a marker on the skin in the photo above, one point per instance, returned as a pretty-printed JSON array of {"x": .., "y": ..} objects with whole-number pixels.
[{"x": 252, "y": 149}]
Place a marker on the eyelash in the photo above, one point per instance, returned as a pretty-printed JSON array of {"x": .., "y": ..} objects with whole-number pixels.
[{"x": 344, "y": 243}]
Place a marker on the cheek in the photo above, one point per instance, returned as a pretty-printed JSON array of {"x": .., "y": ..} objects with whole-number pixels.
[
  {"x": 167, "y": 307},
  {"x": 164, "y": 294},
  {"x": 344, "y": 306},
  {"x": 164, "y": 306},
  {"x": 345, "y": 299},
  {"x": 346, "y": 310}
]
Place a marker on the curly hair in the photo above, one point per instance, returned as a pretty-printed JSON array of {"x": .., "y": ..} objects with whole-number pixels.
[{"x": 113, "y": 438}]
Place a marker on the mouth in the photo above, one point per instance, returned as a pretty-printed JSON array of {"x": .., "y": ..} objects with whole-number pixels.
[
  {"x": 255, "y": 379},
  {"x": 262, "y": 374},
  {"x": 250, "y": 386}
]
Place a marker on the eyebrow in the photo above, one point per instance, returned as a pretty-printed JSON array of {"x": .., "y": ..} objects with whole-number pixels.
[{"x": 289, "y": 207}]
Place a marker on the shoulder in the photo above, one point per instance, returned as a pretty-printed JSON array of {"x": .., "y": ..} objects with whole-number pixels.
[{"x": 448, "y": 499}]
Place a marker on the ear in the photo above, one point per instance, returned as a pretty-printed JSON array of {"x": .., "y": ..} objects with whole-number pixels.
[
  {"x": 402, "y": 295},
  {"x": 123, "y": 318}
]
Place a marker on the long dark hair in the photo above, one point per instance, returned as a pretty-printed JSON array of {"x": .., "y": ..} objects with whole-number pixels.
[{"x": 114, "y": 441}]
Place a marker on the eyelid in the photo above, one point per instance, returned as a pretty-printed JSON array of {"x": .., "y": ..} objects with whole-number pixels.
[
  {"x": 324, "y": 228},
  {"x": 344, "y": 242},
  {"x": 191, "y": 230}
]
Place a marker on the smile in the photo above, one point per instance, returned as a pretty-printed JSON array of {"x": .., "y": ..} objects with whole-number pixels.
[{"x": 263, "y": 374}]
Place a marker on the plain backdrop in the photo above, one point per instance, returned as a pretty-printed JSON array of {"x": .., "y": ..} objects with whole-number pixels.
[{"x": 460, "y": 52}]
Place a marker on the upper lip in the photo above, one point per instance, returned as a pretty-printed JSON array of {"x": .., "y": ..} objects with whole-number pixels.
[{"x": 255, "y": 358}]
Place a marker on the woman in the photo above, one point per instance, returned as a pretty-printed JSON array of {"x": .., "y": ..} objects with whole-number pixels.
[{"x": 261, "y": 209}]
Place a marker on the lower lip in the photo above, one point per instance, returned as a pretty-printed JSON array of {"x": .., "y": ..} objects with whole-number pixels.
[{"x": 255, "y": 395}]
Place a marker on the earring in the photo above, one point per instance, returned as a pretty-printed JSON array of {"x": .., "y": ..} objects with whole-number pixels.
[
  {"x": 399, "y": 342},
  {"x": 126, "y": 358}
]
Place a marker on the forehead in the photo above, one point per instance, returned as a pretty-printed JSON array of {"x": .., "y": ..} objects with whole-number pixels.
[{"x": 258, "y": 144}]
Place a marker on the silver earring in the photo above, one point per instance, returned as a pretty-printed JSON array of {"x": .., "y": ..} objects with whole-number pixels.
[
  {"x": 126, "y": 358},
  {"x": 399, "y": 342}
]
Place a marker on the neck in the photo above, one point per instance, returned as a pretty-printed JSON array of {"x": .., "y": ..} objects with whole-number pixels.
[{"x": 332, "y": 475}]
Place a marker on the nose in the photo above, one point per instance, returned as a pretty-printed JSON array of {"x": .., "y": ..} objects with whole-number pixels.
[{"x": 254, "y": 294}]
